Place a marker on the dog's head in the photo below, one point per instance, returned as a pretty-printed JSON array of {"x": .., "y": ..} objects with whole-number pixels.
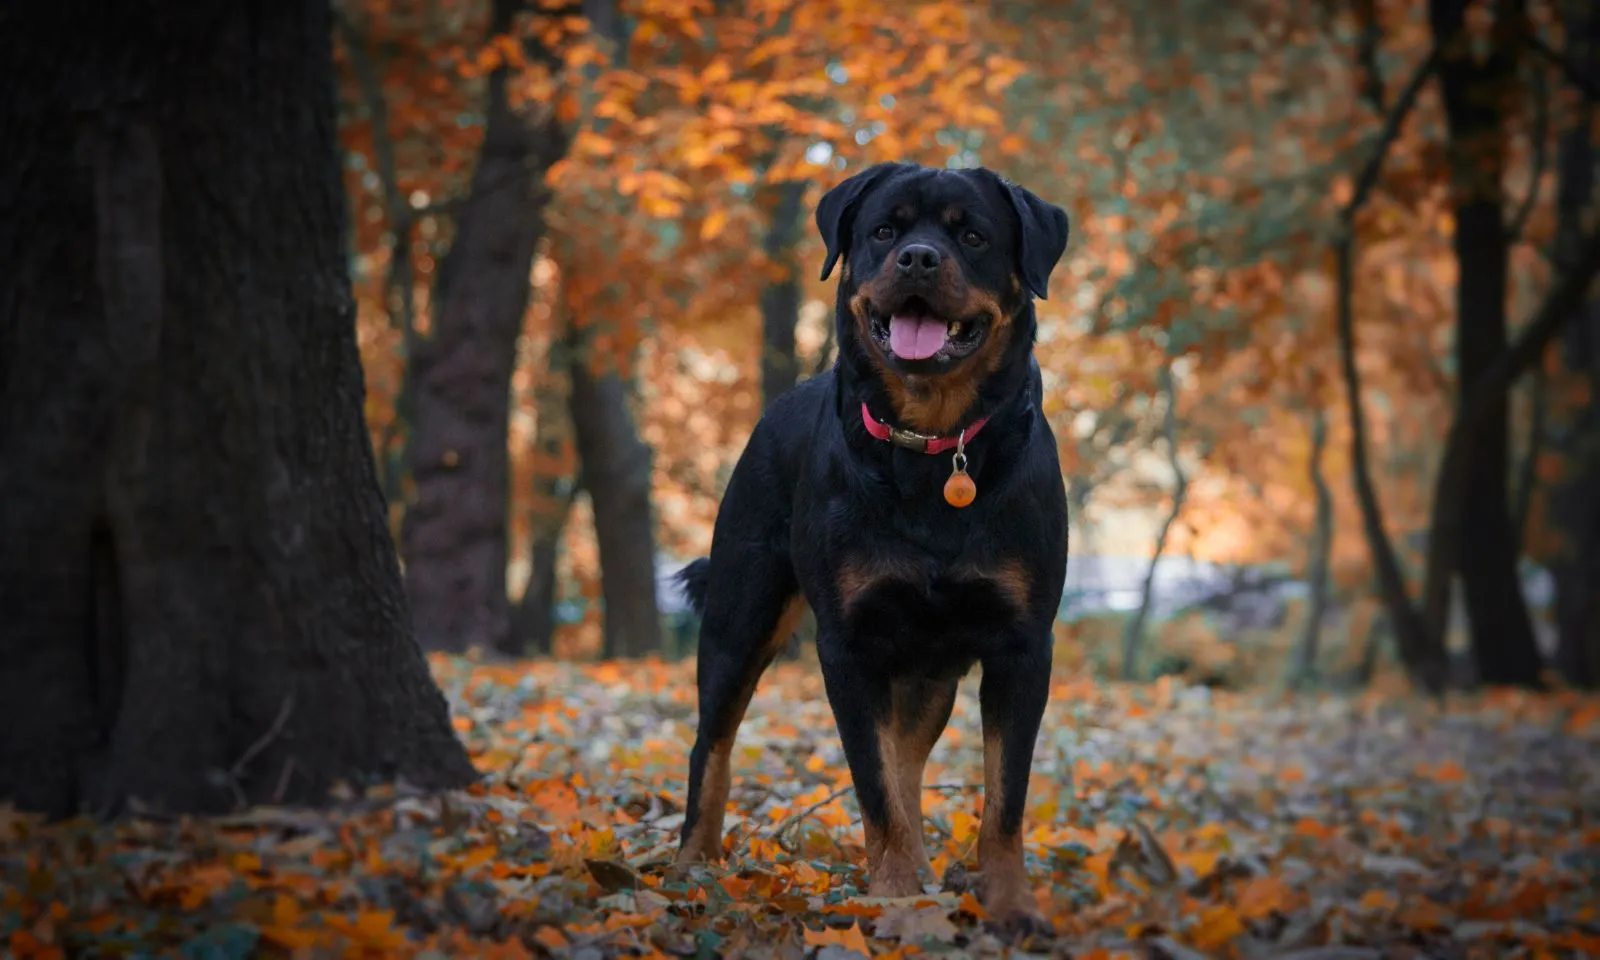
[{"x": 940, "y": 268}]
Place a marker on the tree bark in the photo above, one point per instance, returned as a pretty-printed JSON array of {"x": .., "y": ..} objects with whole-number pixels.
[
  {"x": 1476, "y": 93},
  {"x": 200, "y": 598},
  {"x": 615, "y": 463},
  {"x": 454, "y": 533},
  {"x": 1575, "y": 500},
  {"x": 617, "y": 474},
  {"x": 1305, "y": 664},
  {"x": 1133, "y": 635},
  {"x": 780, "y": 299},
  {"x": 533, "y": 625}
]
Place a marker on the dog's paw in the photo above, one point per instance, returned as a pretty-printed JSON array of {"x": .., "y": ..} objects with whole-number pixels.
[
  {"x": 894, "y": 883},
  {"x": 1013, "y": 911},
  {"x": 1021, "y": 926}
]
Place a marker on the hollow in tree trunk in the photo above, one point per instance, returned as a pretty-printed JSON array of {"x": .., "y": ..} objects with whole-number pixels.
[{"x": 201, "y": 601}]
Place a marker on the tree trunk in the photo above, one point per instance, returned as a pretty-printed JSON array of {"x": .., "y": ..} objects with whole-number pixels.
[
  {"x": 533, "y": 626},
  {"x": 454, "y": 532},
  {"x": 1305, "y": 665},
  {"x": 1475, "y": 93},
  {"x": 616, "y": 472},
  {"x": 200, "y": 598},
  {"x": 780, "y": 299},
  {"x": 1133, "y": 636},
  {"x": 1575, "y": 500}
]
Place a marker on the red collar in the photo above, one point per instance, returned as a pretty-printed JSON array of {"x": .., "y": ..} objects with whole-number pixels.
[{"x": 917, "y": 441}]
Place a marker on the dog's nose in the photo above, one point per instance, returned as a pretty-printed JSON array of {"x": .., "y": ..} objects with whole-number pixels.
[{"x": 918, "y": 260}]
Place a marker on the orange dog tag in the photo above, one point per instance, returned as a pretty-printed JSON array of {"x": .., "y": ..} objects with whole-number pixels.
[{"x": 959, "y": 490}]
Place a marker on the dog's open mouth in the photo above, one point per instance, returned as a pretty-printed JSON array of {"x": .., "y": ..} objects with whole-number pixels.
[{"x": 914, "y": 331}]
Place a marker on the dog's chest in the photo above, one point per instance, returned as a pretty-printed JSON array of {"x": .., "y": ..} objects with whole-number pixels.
[{"x": 912, "y": 608}]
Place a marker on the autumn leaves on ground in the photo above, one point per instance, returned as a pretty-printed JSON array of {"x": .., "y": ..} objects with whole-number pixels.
[{"x": 1165, "y": 820}]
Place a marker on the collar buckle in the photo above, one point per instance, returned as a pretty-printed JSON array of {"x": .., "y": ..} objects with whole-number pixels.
[{"x": 908, "y": 439}]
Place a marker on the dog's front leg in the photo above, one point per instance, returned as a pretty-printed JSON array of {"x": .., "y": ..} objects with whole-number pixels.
[
  {"x": 1013, "y": 694},
  {"x": 862, "y": 703}
]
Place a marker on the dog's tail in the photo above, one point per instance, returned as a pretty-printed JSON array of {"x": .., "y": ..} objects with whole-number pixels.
[{"x": 694, "y": 578}]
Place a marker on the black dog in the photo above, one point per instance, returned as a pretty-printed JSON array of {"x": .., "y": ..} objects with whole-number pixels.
[{"x": 913, "y": 497}]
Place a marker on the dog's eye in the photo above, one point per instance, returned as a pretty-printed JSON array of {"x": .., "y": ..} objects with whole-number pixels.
[
  {"x": 972, "y": 238},
  {"x": 884, "y": 232}
]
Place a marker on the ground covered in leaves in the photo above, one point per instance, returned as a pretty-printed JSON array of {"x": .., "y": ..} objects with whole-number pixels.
[{"x": 1165, "y": 821}]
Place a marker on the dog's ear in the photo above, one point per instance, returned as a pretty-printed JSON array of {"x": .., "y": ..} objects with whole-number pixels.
[
  {"x": 836, "y": 211},
  {"x": 1042, "y": 235}
]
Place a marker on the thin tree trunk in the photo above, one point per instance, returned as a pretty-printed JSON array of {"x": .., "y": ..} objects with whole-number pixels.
[
  {"x": 454, "y": 532},
  {"x": 1133, "y": 636},
  {"x": 533, "y": 622},
  {"x": 1421, "y": 653},
  {"x": 780, "y": 299},
  {"x": 201, "y": 601},
  {"x": 1305, "y": 665},
  {"x": 1476, "y": 95},
  {"x": 617, "y": 473},
  {"x": 1575, "y": 500},
  {"x": 616, "y": 466},
  {"x": 533, "y": 625},
  {"x": 1528, "y": 466}
]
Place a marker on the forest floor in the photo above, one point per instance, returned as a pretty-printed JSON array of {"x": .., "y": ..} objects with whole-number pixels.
[{"x": 1164, "y": 821}]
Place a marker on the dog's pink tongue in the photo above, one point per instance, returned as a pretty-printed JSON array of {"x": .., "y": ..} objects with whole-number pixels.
[{"x": 915, "y": 338}]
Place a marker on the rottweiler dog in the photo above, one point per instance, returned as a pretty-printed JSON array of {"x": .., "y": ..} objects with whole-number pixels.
[{"x": 913, "y": 497}]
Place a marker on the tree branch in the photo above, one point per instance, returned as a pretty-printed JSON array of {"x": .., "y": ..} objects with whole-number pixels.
[
  {"x": 1424, "y": 664},
  {"x": 1575, "y": 76},
  {"x": 1541, "y": 153},
  {"x": 1527, "y": 471},
  {"x": 1391, "y": 129},
  {"x": 1367, "y": 55}
]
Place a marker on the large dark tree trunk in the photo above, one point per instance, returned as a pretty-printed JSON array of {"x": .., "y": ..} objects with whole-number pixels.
[
  {"x": 1575, "y": 501},
  {"x": 616, "y": 472},
  {"x": 1477, "y": 92},
  {"x": 454, "y": 533},
  {"x": 200, "y": 603}
]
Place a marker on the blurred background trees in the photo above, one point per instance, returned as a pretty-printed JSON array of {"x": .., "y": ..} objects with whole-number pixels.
[{"x": 584, "y": 262}]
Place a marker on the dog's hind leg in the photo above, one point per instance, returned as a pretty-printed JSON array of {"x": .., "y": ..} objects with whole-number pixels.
[{"x": 752, "y": 606}]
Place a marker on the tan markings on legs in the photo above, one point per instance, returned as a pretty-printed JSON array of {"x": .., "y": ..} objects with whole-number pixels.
[
  {"x": 919, "y": 711},
  {"x": 1007, "y": 891},
  {"x": 705, "y": 840}
]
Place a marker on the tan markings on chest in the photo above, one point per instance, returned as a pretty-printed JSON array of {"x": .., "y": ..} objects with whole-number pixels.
[{"x": 857, "y": 575}]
